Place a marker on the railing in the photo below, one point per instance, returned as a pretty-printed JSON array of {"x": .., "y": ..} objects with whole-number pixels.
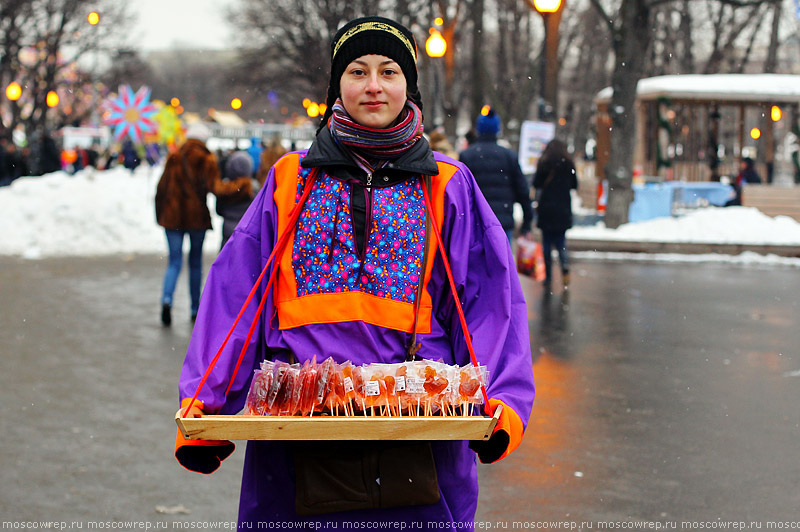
[{"x": 263, "y": 131}]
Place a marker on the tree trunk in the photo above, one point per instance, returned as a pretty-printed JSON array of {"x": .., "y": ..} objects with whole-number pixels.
[
  {"x": 630, "y": 50},
  {"x": 478, "y": 97},
  {"x": 771, "y": 64}
]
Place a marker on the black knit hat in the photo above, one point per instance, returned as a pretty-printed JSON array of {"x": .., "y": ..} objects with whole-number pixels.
[{"x": 372, "y": 35}]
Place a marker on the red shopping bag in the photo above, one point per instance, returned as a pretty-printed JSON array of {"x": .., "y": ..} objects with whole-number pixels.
[{"x": 530, "y": 259}]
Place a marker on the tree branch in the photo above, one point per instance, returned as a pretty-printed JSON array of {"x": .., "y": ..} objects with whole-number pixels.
[{"x": 603, "y": 15}]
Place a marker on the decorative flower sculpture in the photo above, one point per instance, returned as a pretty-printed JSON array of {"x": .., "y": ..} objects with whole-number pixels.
[{"x": 132, "y": 114}]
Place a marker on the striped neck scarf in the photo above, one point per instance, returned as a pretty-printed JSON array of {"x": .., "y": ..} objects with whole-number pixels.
[{"x": 372, "y": 148}]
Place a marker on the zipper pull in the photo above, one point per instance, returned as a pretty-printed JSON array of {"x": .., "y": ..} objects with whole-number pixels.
[{"x": 369, "y": 180}]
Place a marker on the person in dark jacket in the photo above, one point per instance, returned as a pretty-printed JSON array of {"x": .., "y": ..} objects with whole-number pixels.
[
  {"x": 747, "y": 174},
  {"x": 497, "y": 171},
  {"x": 555, "y": 177},
  {"x": 232, "y": 207},
  {"x": 130, "y": 157},
  {"x": 49, "y": 158}
]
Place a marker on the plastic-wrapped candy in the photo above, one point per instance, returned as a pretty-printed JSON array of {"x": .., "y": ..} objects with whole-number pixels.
[
  {"x": 256, "y": 403},
  {"x": 280, "y": 372},
  {"x": 308, "y": 387},
  {"x": 420, "y": 388},
  {"x": 349, "y": 385},
  {"x": 469, "y": 386}
]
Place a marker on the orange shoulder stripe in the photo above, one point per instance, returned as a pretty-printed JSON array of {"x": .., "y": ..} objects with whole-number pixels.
[{"x": 295, "y": 311}]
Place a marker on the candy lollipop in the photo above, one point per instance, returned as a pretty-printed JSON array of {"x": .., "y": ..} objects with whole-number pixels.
[
  {"x": 308, "y": 389},
  {"x": 434, "y": 385},
  {"x": 335, "y": 385},
  {"x": 324, "y": 375},
  {"x": 400, "y": 386},
  {"x": 469, "y": 384},
  {"x": 389, "y": 383},
  {"x": 256, "y": 403},
  {"x": 280, "y": 372},
  {"x": 256, "y": 397},
  {"x": 292, "y": 395},
  {"x": 358, "y": 386},
  {"x": 349, "y": 385}
]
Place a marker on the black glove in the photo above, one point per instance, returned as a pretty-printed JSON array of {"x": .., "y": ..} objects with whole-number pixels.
[
  {"x": 492, "y": 449},
  {"x": 202, "y": 456}
]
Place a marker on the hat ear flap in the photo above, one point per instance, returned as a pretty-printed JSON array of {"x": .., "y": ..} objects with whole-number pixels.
[{"x": 329, "y": 101}]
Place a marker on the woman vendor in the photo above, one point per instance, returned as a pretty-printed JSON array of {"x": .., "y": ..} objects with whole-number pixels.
[{"x": 358, "y": 258}]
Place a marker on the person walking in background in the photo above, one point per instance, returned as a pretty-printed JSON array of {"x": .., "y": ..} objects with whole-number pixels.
[
  {"x": 362, "y": 277},
  {"x": 49, "y": 159},
  {"x": 255, "y": 150},
  {"x": 497, "y": 171},
  {"x": 269, "y": 156},
  {"x": 130, "y": 155},
  {"x": 554, "y": 179},
  {"x": 747, "y": 175},
  {"x": 439, "y": 142},
  {"x": 231, "y": 207},
  {"x": 189, "y": 175}
]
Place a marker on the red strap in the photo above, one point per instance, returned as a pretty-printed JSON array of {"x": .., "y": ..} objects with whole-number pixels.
[
  {"x": 460, "y": 310},
  {"x": 279, "y": 246}
]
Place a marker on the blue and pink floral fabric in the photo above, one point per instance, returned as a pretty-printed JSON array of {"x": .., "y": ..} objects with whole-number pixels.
[{"x": 324, "y": 255}]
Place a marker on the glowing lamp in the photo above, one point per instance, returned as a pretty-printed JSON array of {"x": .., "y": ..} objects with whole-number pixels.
[
  {"x": 755, "y": 133},
  {"x": 435, "y": 46},
  {"x": 775, "y": 113},
  {"x": 13, "y": 91},
  {"x": 485, "y": 110},
  {"x": 547, "y": 6},
  {"x": 175, "y": 102},
  {"x": 313, "y": 110},
  {"x": 93, "y": 18},
  {"x": 236, "y": 103},
  {"x": 52, "y": 99}
]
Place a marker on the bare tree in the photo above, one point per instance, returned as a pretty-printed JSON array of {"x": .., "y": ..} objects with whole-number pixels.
[
  {"x": 586, "y": 70},
  {"x": 44, "y": 41},
  {"x": 285, "y": 44}
]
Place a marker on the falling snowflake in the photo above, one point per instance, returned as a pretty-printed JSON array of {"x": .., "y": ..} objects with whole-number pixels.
[{"x": 131, "y": 114}]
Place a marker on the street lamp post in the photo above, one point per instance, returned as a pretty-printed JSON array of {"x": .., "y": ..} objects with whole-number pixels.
[
  {"x": 551, "y": 11},
  {"x": 436, "y": 46}
]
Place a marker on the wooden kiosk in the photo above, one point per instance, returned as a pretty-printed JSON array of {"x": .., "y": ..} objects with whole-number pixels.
[{"x": 697, "y": 127}]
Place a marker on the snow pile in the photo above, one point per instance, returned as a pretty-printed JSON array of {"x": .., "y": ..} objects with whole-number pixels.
[
  {"x": 711, "y": 225},
  {"x": 89, "y": 213},
  {"x": 111, "y": 212}
]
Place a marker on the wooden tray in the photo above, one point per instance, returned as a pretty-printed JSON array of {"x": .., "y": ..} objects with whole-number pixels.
[{"x": 337, "y": 428}]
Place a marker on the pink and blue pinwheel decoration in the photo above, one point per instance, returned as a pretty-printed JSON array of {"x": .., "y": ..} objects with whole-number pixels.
[{"x": 132, "y": 114}]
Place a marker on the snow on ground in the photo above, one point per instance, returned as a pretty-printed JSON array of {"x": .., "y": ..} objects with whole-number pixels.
[
  {"x": 90, "y": 213},
  {"x": 111, "y": 212},
  {"x": 710, "y": 225}
]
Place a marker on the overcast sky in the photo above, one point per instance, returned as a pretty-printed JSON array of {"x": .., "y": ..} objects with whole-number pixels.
[{"x": 202, "y": 26}]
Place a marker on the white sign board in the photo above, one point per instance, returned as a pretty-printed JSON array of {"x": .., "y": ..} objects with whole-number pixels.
[{"x": 533, "y": 137}]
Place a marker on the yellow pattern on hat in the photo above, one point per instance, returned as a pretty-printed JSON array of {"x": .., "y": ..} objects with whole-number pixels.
[{"x": 379, "y": 26}]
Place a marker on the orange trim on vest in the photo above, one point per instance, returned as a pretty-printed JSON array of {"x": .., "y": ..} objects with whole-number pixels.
[
  {"x": 336, "y": 307},
  {"x": 509, "y": 422}
]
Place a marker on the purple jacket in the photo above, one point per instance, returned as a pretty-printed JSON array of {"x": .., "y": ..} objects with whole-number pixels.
[{"x": 490, "y": 292}]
